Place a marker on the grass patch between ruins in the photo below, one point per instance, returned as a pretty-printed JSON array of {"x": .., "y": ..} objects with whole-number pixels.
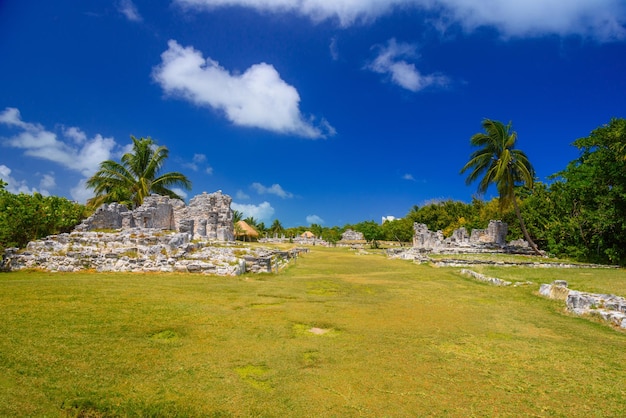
[{"x": 338, "y": 333}]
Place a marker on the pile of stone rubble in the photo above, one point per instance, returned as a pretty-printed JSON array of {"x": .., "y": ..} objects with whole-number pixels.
[{"x": 143, "y": 250}]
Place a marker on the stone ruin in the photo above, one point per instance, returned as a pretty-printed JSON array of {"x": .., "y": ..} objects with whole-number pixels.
[
  {"x": 610, "y": 308},
  {"x": 208, "y": 216},
  {"x": 161, "y": 235},
  {"x": 492, "y": 238},
  {"x": 351, "y": 235}
]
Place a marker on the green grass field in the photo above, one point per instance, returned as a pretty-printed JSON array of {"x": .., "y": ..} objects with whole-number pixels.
[{"x": 338, "y": 334}]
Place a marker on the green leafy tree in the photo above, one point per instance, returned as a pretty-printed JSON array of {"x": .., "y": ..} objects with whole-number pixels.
[
  {"x": 497, "y": 162},
  {"x": 136, "y": 176},
  {"x": 371, "y": 230},
  {"x": 400, "y": 230},
  {"x": 24, "y": 217},
  {"x": 589, "y": 198}
]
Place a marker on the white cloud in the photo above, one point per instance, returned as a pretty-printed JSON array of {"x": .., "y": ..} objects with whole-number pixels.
[
  {"x": 408, "y": 176},
  {"x": 196, "y": 161},
  {"x": 80, "y": 192},
  {"x": 47, "y": 182},
  {"x": 258, "y": 97},
  {"x": 21, "y": 186},
  {"x": 128, "y": 9},
  {"x": 241, "y": 195},
  {"x": 274, "y": 189},
  {"x": 598, "y": 19},
  {"x": 389, "y": 61},
  {"x": 75, "y": 134},
  {"x": 314, "y": 219},
  {"x": 262, "y": 212},
  {"x": 38, "y": 142}
]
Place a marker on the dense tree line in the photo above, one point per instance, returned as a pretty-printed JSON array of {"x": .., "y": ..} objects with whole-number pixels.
[
  {"x": 580, "y": 213},
  {"x": 26, "y": 217}
]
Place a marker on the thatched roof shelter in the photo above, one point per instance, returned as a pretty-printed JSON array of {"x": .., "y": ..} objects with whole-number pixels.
[
  {"x": 307, "y": 234},
  {"x": 242, "y": 229}
]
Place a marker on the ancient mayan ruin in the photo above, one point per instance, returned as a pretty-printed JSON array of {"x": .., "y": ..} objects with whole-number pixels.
[{"x": 208, "y": 216}]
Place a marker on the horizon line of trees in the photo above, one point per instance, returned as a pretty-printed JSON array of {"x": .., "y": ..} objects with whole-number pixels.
[{"x": 580, "y": 214}]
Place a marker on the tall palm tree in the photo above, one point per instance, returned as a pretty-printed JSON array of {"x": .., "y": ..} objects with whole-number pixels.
[
  {"x": 502, "y": 165},
  {"x": 137, "y": 176}
]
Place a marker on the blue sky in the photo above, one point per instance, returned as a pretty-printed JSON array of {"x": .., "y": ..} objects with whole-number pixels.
[{"x": 306, "y": 111}]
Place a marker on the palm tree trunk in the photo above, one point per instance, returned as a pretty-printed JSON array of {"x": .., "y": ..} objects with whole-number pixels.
[{"x": 523, "y": 226}]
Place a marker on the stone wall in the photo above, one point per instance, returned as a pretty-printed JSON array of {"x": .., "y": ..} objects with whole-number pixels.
[
  {"x": 208, "y": 216},
  {"x": 492, "y": 237},
  {"x": 610, "y": 308}
]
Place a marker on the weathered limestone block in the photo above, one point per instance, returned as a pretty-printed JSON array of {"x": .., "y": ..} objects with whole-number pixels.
[
  {"x": 611, "y": 308},
  {"x": 210, "y": 214},
  {"x": 460, "y": 236},
  {"x": 494, "y": 234},
  {"x": 155, "y": 212},
  {"x": 481, "y": 277},
  {"x": 351, "y": 235},
  {"x": 107, "y": 216},
  {"x": 425, "y": 238}
]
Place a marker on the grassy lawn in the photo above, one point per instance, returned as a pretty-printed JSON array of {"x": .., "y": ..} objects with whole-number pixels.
[{"x": 338, "y": 334}]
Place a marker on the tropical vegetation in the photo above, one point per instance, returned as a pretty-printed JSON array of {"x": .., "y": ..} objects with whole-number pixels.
[
  {"x": 26, "y": 217},
  {"x": 580, "y": 213}
]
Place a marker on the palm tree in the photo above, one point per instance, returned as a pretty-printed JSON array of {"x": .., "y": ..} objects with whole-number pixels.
[
  {"x": 500, "y": 164},
  {"x": 137, "y": 176},
  {"x": 276, "y": 228},
  {"x": 237, "y": 216}
]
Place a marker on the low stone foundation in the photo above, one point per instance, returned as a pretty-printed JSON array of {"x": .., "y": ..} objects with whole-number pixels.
[
  {"x": 143, "y": 250},
  {"x": 610, "y": 308}
]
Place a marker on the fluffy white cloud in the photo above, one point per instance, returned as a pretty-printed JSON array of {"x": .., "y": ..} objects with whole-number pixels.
[
  {"x": 314, "y": 219},
  {"x": 38, "y": 142},
  {"x": 262, "y": 212},
  {"x": 390, "y": 61},
  {"x": 274, "y": 189},
  {"x": 128, "y": 9},
  {"x": 599, "y": 19},
  {"x": 257, "y": 97},
  {"x": 21, "y": 186},
  {"x": 408, "y": 176}
]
